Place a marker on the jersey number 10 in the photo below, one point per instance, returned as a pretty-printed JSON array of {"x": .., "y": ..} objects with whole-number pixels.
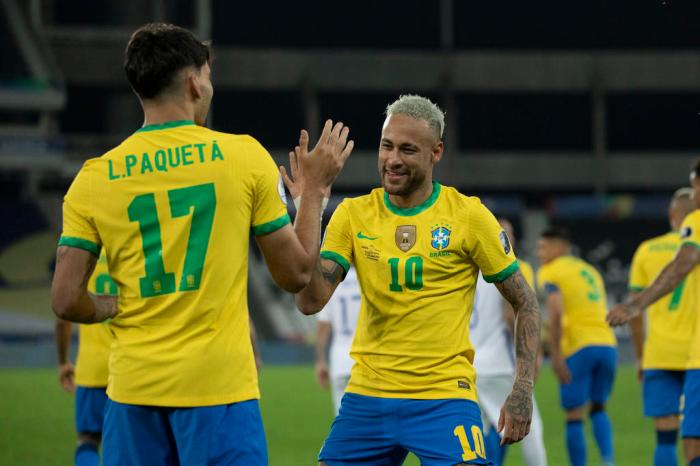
[{"x": 200, "y": 202}]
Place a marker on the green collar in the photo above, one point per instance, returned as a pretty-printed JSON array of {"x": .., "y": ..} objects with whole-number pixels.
[
  {"x": 166, "y": 125},
  {"x": 410, "y": 211}
]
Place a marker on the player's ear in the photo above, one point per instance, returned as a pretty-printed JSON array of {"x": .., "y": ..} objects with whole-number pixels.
[
  {"x": 438, "y": 150},
  {"x": 193, "y": 85}
]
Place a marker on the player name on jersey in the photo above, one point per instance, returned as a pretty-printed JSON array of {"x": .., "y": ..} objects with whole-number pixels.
[{"x": 165, "y": 159}]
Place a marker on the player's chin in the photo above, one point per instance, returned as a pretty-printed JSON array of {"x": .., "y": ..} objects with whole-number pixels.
[{"x": 396, "y": 187}]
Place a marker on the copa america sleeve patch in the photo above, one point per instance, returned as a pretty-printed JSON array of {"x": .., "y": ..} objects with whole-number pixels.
[
  {"x": 686, "y": 232},
  {"x": 280, "y": 190},
  {"x": 505, "y": 242}
]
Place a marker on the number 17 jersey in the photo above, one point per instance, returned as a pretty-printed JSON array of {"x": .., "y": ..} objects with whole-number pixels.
[
  {"x": 417, "y": 270},
  {"x": 173, "y": 207}
]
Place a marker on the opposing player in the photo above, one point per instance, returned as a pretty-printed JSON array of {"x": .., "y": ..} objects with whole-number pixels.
[
  {"x": 491, "y": 332},
  {"x": 173, "y": 206},
  {"x": 682, "y": 267},
  {"x": 88, "y": 379},
  {"x": 417, "y": 247},
  {"x": 663, "y": 355},
  {"x": 582, "y": 347}
]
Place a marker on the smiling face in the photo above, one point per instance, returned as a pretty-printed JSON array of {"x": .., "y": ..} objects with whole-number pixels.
[{"x": 407, "y": 152}]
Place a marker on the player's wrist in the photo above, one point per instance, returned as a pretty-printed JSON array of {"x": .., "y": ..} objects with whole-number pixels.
[{"x": 324, "y": 203}]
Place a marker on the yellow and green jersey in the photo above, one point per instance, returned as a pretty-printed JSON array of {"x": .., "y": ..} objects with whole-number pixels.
[
  {"x": 173, "y": 207},
  {"x": 583, "y": 294},
  {"x": 690, "y": 235},
  {"x": 417, "y": 270},
  {"x": 671, "y": 319},
  {"x": 95, "y": 339}
]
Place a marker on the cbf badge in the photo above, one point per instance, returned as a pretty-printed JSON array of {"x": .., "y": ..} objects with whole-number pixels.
[
  {"x": 405, "y": 237},
  {"x": 505, "y": 242},
  {"x": 440, "y": 237}
]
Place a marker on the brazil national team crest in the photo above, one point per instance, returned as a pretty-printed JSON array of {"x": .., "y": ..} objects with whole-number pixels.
[
  {"x": 505, "y": 242},
  {"x": 440, "y": 237},
  {"x": 405, "y": 237}
]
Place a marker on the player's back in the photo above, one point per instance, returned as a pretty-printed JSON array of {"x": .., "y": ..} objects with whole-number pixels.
[
  {"x": 173, "y": 206},
  {"x": 671, "y": 319},
  {"x": 583, "y": 294}
]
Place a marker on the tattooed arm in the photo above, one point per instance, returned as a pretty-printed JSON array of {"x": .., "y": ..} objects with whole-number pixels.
[
  {"x": 681, "y": 265},
  {"x": 324, "y": 280},
  {"x": 70, "y": 299},
  {"x": 516, "y": 413}
]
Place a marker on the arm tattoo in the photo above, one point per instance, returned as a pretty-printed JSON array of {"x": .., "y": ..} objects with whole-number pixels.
[{"x": 331, "y": 271}]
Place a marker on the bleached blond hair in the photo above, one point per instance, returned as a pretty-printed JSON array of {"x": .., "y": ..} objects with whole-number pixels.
[{"x": 420, "y": 108}]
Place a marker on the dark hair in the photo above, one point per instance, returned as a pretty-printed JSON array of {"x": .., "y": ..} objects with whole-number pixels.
[
  {"x": 155, "y": 54},
  {"x": 696, "y": 168},
  {"x": 557, "y": 232}
]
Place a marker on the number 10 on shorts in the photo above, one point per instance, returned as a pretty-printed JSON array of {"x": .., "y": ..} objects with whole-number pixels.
[{"x": 478, "y": 440}]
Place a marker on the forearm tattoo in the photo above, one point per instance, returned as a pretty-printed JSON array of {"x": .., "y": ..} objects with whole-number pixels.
[{"x": 331, "y": 271}]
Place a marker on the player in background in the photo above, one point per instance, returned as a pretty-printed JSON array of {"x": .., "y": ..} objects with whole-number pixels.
[
  {"x": 491, "y": 333},
  {"x": 417, "y": 247},
  {"x": 583, "y": 346},
  {"x": 663, "y": 355},
  {"x": 88, "y": 379},
  {"x": 172, "y": 207},
  {"x": 336, "y": 325},
  {"x": 682, "y": 267}
]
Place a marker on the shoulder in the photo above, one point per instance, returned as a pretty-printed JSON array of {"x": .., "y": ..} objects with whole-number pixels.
[
  {"x": 692, "y": 222},
  {"x": 359, "y": 203},
  {"x": 462, "y": 201}
]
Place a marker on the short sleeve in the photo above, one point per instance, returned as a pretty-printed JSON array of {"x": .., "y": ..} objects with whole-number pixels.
[
  {"x": 638, "y": 279},
  {"x": 79, "y": 230},
  {"x": 337, "y": 242},
  {"x": 489, "y": 246},
  {"x": 269, "y": 206},
  {"x": 690, "y": 230}
]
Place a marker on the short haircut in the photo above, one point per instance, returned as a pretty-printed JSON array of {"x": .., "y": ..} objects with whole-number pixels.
[
  {"x": 557, "y": 232},
  {"x": 157, "y": 52},
  {"x": 420, "y": 108},
  {"x": 696, "y": 168}
]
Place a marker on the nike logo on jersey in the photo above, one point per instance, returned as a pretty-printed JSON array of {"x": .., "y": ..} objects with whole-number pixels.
[{"x": 371, "y": 238}]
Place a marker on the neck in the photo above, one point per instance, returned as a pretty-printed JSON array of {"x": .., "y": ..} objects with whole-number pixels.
[
  {"x": 156, "y": 113},
  {"x": 414, "y": 198}
]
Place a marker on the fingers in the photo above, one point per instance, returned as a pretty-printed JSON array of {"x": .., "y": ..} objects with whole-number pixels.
[
  {"x": 347, "y": 151},
  {"x": 501, "y": 421},
  {"x": 285, "y": 178},
  {"x": 343, "y": 138},
  {"x": 294, "y": 162},
  {"x": 325, "y": 134},
  {"x": 303, "y": 146}
]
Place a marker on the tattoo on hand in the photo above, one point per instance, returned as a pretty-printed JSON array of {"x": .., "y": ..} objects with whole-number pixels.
[{"x": 519, "y": 402}]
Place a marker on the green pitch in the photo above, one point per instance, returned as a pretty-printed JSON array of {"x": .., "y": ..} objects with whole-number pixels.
[{"x": 36, "y": 419}]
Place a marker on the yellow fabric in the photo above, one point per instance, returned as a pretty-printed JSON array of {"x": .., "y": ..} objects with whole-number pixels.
[
  {"x": 690, "y": 235},
  {"x": 583, "y": 293},
  {"x": 95, "y": 339},
  {"x": 412, "y": 337},
  {"x": 528, "y": 273},
  {"x": 671, "y": 319},
  {"x": 190, "y": 196}
]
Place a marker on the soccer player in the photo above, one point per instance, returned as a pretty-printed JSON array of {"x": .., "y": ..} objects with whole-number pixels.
[
  {"x": 88, "y": 379},
  {"x": 662, "y": 357},
  {"x": 491, "y": 332},
  {"x": 417, "y": 247},
  {"x": 336, "y": 324},
  {"x": 583, "y": 347},
  {"x": 682, "y": 267},
  {"x": 173, "y": 207}
]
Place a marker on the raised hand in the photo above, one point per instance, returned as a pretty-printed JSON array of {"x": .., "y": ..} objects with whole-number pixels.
[
  {"x": 319, "y": 167},
  {"x": 621, "y": 314},
  {"x": 516, "y": 414},
  {"x": 294, "y": 180}
]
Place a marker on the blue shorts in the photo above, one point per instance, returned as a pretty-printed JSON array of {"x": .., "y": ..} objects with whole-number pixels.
[
  {"x": 372, "y": 431},
  {"x": 662, "y": 391},
  {"x": 90, "y": 409},
  {"x": 592, "y": 375},
  {"x": 228, "y": 435},
  {"x": 690, "y": 427}
]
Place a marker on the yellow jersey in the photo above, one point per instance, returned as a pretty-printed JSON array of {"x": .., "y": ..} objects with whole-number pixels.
[
  {"x": 528, "y": 273},
  {"x": 671, "y": 319},
  {"x": 417, "y": 270},
  {"x": 583, "y": 293},
  {"x": 173, "y": 207},
  {"x": 95, "y": 339},
  {"x": 690, "y": 234}
]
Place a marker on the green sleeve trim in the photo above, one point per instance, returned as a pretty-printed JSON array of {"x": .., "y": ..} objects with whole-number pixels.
[
  {"x": 636, "y": 289},
  {"x": 503, "y": 274},
  {"x": 269, "y": 227},
  {"x": 690, "y": 243},
  {"x": 411, "y": 211},
  {"x": 335, "y": 257},
  {"x": 166, "y": 125},
  {"x": 80, "y": 243}
]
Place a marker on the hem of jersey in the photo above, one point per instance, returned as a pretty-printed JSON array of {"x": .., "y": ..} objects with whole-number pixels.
[
  {"x": 503, "y": 274},
  {"x": 102, "y": 385},
  {"x": 589, "y": 345},
  {"x": 691, "y": 243},
  {"x": 166, "y": 125},
  {"x": 469, "y": 396},
  {"x": 636, "y": 289},
  {"x": 411, "y": 211},
  {"x": 337, "y": 258},
  {"x": 272, "y": 226},
  {"x": 79, "y": 243},
  {"x": 186, "y": 402},
  {"x": 665, "y": 369}
]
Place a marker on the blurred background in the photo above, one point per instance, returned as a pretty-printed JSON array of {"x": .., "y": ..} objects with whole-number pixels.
[{"x": 581, "y": 113}]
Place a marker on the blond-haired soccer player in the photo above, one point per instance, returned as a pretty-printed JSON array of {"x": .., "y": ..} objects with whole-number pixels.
[
  {"x": 417, "y": 247},
  {"x": 682, "y": 267},
  {"x": 88, "y": 378},
  {"x": 582, "y": 347},
  {"x": 663, "y": 355},
  {"x": 173, "y": 207}
]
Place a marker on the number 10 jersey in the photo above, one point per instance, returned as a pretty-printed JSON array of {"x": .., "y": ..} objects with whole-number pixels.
[{"x": 173, "y": 207}]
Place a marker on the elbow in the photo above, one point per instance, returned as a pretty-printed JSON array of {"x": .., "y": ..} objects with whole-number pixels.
[
  {"x": 61, "y": 308},
  {"x": 307, "y": 306}
]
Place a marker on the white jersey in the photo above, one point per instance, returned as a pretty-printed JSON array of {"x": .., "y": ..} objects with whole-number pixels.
[
  {"x": 341, "y": 312},
  {"x": 492, "y": 340}
]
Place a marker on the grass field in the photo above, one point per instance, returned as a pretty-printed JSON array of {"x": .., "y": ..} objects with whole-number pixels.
[{"x": 36, "y": 419}]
